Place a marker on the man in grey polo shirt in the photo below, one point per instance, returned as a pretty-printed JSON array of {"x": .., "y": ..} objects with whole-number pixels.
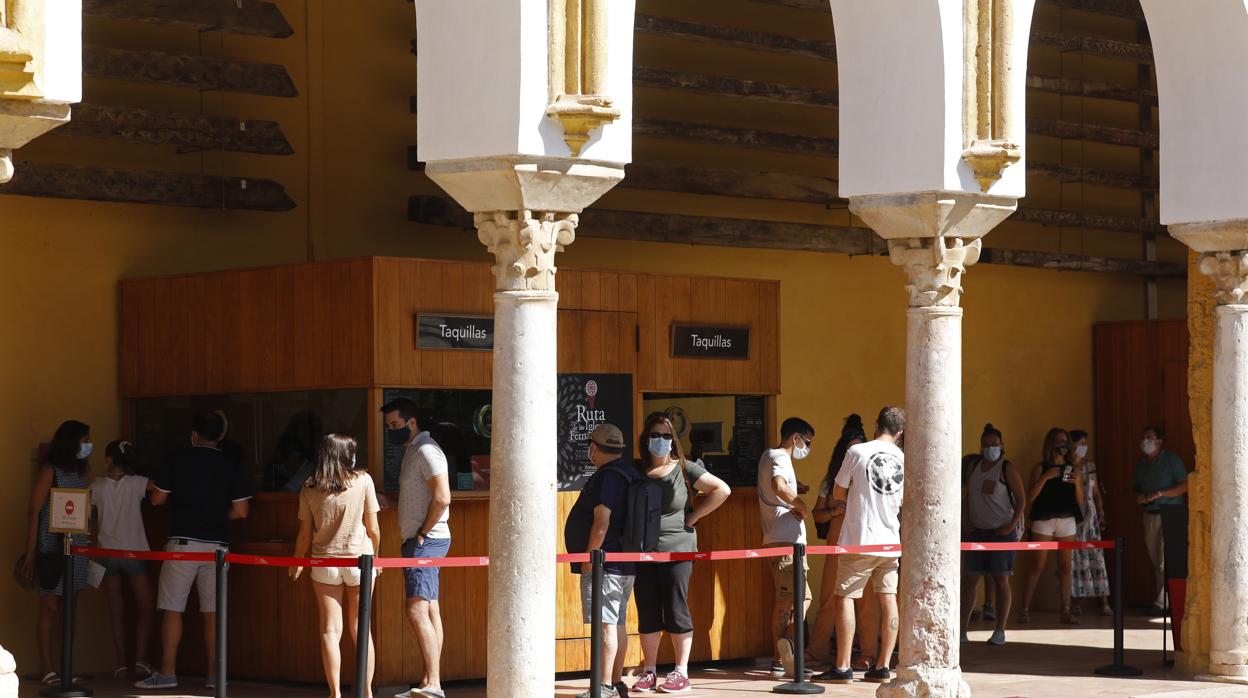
[{"x": 424, "y": 508}]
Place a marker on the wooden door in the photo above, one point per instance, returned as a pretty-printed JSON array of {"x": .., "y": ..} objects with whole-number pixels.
[{"x": 1141, "y": 380}]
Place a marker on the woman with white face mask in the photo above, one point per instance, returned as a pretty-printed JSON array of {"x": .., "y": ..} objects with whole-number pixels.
[
  {"x": 661, "y": 589},
  {"x": 992, "y": 505},
  {"x": 1090, "y": 580}
]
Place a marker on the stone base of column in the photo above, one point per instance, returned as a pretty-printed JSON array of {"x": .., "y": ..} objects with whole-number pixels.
[
  {"x": 8, "y": 675},
  {"x": 925, "y": 682}
]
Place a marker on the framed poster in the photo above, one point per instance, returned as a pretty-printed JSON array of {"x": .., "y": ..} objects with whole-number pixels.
[
  {"x": 585, "y": 401},
  {"x": 68, "y": 509}
]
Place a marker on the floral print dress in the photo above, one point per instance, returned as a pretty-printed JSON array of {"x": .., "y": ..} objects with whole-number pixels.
[{"x": 1089, "y": 578}]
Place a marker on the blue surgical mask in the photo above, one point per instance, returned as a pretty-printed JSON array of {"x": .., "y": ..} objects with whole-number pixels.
[
  {"x": 659, "y": 448},
  {"x": 84, "y": 450},
  {"x": 992, "y": 453}
]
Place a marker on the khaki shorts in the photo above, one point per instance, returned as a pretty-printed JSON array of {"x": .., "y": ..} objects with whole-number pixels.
[
  {"x": 782, "y": 575},
  {"x": 854, "y": 571}
]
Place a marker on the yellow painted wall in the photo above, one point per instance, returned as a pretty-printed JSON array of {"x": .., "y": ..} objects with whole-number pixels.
[{"x": 842, "y": 338}]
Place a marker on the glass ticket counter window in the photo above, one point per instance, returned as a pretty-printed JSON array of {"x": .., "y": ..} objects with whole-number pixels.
[
  {"x": 459, "y": 420},
  {"x": 273, "y": 436},
  {"x": 727, "y": 432}
]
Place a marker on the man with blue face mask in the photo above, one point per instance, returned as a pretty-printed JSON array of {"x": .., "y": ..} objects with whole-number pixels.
[
  {"x": 784, "y": 523},
  {"x": 1160, "y": 481}
]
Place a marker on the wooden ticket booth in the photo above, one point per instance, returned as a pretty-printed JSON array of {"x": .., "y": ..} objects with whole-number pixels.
[{"x": 297, "y": 351}]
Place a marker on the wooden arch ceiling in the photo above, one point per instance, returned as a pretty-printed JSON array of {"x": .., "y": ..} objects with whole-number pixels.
[
  {"x": 187, "y": 132},
  {"x": 803, "y": 188}
]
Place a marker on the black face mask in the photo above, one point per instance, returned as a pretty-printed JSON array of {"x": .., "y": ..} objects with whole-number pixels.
[{"x": 398, "y": 437}]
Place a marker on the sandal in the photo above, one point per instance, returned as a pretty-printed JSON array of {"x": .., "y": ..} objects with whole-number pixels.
[
  {"x": 1106, "y": 610},
  {"x": 862, "y": 663},
  {"x": 121, "y": 672},
  {"x": 143, "y": 669},
  {"x": 1068, "y": 618},
  {"x": 50, "y": 679},
  {"x": 1024, "y": 616}
]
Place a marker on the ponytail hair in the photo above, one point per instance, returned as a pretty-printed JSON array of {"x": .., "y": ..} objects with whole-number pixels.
[{"x": 121, "y": 453}]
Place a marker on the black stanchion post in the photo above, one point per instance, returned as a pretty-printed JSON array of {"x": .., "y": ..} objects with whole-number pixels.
[
  {"x": 67, "y": 689},
  {"x": 597, "y": 558},
  {"x": 1119, "y": 667},
  {"x": 364, "y": 629},
  {"x": 799, "y": 685},
  {"x": 222, "y": 611}
]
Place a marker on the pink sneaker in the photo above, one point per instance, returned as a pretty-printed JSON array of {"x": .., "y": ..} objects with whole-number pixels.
[
  {"x": 646, "y": 683},
  {"x": 675, "y": 682}
]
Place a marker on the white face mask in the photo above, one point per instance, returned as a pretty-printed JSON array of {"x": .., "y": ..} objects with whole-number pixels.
[
  {"x": 1081, "y": 451},
  {"x": 992, "y": 453},
  {"x": 800, "y": 452},
  {"x": 1148, "y": 446},
  {"x": 84, "y": 450}
]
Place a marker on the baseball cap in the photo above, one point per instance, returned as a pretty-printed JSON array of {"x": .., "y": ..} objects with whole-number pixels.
[{"x": 607, "y": 435}]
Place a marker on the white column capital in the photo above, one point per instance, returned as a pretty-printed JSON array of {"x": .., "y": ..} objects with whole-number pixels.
[
  {"x": 1229, "y": 271},
  {"x": 934, "y": 267},
  {"x": 524, "y": 244}
]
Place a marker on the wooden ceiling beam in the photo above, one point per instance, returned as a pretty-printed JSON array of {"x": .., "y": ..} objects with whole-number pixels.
[
  {"x": 1094, "y": 134},
  {"x": 59, "y": 181},
  {"x": 187, "y": 132},
  {"x": 826, "y": 50},
  {"x": 1128, "y": 9},
  {"x": 731, "y": 232},
  {"x": 197, "y": 72},
  {"x": 246, "y": 17},
  {"x": 717, "y": 86},
  {"x": 1072, "y": 87}
]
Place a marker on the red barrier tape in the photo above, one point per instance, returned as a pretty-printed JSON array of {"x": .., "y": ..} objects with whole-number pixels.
[{"x": 394, "y": 562}]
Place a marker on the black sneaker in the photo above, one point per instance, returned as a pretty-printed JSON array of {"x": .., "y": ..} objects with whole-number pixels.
[
  {"x": 835, "y": 675},
  {"x": 621, "y": 690},
  {"x": 879, "y": 674}
]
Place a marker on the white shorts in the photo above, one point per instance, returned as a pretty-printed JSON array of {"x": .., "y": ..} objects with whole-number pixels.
[
  {"x": 1058, "y": 528},
  {"x": 334, "y": 576},
  {"x": 176, "y": 578}
]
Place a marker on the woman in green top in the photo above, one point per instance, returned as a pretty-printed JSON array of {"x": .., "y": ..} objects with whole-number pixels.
[{"x": 662, "y": 588}]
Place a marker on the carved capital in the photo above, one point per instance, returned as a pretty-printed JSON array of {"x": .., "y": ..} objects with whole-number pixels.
[
  {"x": 935, "y": 267},
  {"x": 524, "y": 244},
  {"x": 1229, "y": 271}
]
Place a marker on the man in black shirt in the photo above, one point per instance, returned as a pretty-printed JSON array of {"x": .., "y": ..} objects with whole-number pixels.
[{"x": 204, "y": 490}]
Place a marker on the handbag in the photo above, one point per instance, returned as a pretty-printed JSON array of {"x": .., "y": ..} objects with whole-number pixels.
[{"x": 822, "y": 529}]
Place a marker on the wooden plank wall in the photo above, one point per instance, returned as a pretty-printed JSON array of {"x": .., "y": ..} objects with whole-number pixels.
[
  {"x": 292, "y": 327},
  {"x": 1141, "y": 379},
  {"x": 309, "y": 325},
  {"x": 665, "y": 300}
]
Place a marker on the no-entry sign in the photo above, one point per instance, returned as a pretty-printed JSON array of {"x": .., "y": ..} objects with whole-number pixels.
[{"x": 67, "y": 511}]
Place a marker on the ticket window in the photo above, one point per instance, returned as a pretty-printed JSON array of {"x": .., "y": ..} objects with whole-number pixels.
[
  {"x": 459, "y": 421},
  {"x": 727, "y": 432},
  {"x": 272, "y": 436}
]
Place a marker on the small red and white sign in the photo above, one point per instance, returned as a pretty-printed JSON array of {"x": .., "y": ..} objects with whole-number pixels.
[{"x": 68, "y": 510}]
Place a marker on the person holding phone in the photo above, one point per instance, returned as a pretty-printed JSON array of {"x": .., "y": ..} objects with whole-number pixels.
[{"x": 1055, "y": 495}]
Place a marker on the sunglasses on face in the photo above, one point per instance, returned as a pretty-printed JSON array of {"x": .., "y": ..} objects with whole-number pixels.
[{"x": 657, "y": 435}]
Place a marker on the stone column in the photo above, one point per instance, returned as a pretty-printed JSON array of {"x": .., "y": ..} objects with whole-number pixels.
[
  {"x": 1224, "y": 257},
  {"x": 524, "y": 508},
  {"x": 934, "y": 237}
]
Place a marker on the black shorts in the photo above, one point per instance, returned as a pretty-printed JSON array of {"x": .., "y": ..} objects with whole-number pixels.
[{"x": 662, "y": 594}]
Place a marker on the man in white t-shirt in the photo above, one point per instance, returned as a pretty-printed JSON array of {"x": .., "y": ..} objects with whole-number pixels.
[
  {"x": 783, "y": 515},
  {"x": 870, "y": 483}
]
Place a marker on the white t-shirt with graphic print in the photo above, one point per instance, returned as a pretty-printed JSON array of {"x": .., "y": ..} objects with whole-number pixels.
[{"x": 874, "y": 475}]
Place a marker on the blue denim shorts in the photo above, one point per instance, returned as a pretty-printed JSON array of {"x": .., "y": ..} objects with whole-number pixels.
[
  {"x": 422, "y": 582},
  {"x": 122, "y": 566}
]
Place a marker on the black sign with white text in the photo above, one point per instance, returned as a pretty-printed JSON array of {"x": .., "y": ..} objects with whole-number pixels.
[
  {"x": 454, "y": 332},
  {"x": 585, "y": 401},
  {"x": 709, "y": 342}
]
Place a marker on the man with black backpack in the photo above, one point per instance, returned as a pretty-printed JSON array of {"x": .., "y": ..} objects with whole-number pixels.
[{"x": 604, "y": 517}]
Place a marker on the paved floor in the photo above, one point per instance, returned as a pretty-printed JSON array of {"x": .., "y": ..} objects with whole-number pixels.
[{"x": 1042, "y": 661}]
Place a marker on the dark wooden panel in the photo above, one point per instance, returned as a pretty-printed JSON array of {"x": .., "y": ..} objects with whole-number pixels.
[
  {"x": 188, "y": 132},
  {"x": 196, "y": 72},
  {"x": 1139, "y": 382}
]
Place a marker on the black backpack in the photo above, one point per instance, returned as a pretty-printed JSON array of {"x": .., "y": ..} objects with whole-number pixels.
[{"x": 642, "y": 515}]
